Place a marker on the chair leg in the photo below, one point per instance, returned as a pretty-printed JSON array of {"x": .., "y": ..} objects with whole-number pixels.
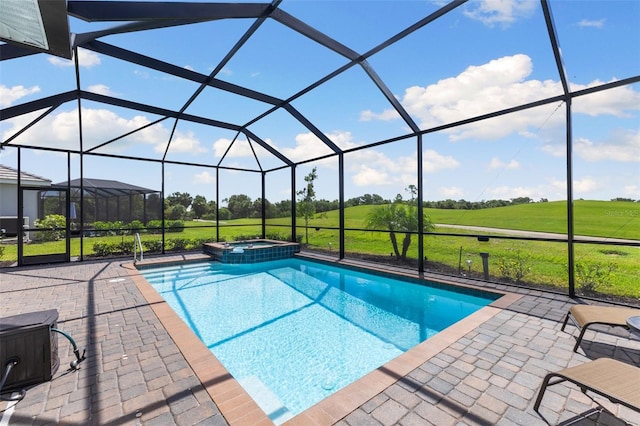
[
  {"x": 564, "y": 324},
  {"x": 579, "y": 339},
  {"x": 543, "y": 388}
]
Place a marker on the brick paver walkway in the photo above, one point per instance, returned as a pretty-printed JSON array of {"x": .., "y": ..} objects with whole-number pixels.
[{"x": 135, "y": 373}]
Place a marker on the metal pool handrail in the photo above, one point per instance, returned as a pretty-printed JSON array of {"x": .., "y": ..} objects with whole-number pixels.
[{"x": 137, "y": 243}]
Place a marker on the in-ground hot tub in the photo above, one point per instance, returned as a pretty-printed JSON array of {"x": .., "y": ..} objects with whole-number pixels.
[{"x": 251, "y": 251}]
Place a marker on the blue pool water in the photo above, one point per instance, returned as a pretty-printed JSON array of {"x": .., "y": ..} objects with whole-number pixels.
[{"x": 293, "y": 332}]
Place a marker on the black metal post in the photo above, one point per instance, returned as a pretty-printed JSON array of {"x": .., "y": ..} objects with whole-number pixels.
[
  {"x": 217, "y": 204},
  {"x": 420, "y": 207},
  {"x": 570, "y": 235},
  {"x": 293, "y": 204},
  {"x": 20, "y": 211},
  {"x": 341, "y": 202},
  {"x": 264, "y": 206},
  {"x": 162, "y": 209}
]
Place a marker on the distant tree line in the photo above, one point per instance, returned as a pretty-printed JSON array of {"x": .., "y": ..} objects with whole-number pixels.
[{"x": 181, "y": 205}]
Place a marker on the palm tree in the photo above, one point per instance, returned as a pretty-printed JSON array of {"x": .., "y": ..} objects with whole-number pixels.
[
  {"x": 386, "y": 216},
  {"x": 398, "y": 217}
]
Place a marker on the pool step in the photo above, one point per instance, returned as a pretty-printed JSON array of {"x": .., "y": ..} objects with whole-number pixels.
[
  {"x": 266, "y": 399},
  {"x": 175, "y": 272}
]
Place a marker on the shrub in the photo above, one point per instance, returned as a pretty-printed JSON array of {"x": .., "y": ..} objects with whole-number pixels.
[
  {"x": 152, "y": 246},
  {"x": 196, "y": 243},
  {"x": 54, "y": 227},
  {"x": 154, "y": 226},
  {"x": 102, "y": 248},
  {"x": 178, "y": 244},
  {"x": 117, "y": 228},
  {"x": 175, "y": 226},
  {"x": 1, "y": 251},
  {"x": 591, "y": 277},
  {"x": 243, "y": 237},
  {"x": 101, "y": 226},
  {"x": 514, "y": 269},
  {"x": 135, "y": 226},
  {"x": 124, "y": 247},
  {"x": 110, "y": 228},
  {"x": 273, "y": 236}
]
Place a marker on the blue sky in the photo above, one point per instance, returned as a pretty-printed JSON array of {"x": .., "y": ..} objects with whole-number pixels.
[{"x": 484, "y": 56}]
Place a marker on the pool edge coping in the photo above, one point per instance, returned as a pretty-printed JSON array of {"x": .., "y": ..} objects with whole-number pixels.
[{"x": 239, "y": 408}]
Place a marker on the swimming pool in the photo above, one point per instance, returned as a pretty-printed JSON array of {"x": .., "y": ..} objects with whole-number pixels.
[{"x": 293, "y": 332}]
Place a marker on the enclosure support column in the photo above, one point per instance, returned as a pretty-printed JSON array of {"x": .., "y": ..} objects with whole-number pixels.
[
  {"x": 67, "y": 233},
  {"x": 144, "y": 209},
  {"x": 162, "y": 209},
  {"x": 567, "y": 99},
  {"x": 341, "y": 202},
  {"x": 570, "y": 244},
  {"x": 420, "y": 207},
  {"x": 20, "y": 210},
  {"x": 264, "y": 206},
  {"x": 118, "y": 210},
  {"x": 217, "y": 204},
  {"x": 82, "y": 216},
  {"x": 294, "y": 237},
  {"x": 81, "y": 142},
  {"x": 130, "y": 206}
]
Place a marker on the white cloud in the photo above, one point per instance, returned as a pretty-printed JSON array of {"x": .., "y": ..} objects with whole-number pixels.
[
  {"x": 367, "y": 167},
  {"x": 386, "y": 115},
  {"x": 98, "y": 126},
  {"x": 614, "y": 102},
  {"x": 624, "y": 147},
  {"x": 86, "y": 59},
  {"x": 621, "y": 145},
  {"x": 101, "y": 89},
  {"x": 585, "y": 186},
  {"x": 183, "y": 142},
  {"x": 8, "y": 95},
  {"x": 309, "y": 145},
  {"x": 204, "y": 177},
  {"x": 365, "y": 176},
  {"x": 632, "y": 191},
  {"x": 581, "y": 187},
  {"x": 141, "y": 73},
  {"x": 555, "y": 150},
  {"x": 239, "y": 149},
  {"x": 452, "y": 192},
  {"x": 434, "y": 162},
  {"x": 496, "y": 163},
  {"x": 371, "y": 167},
  {"x": 497, "y": 85},
  {"x": 506, "y": 192},
  {"x": 591, "y": 23},
  {"x": 503, "y": 12},
  {"x": 189, "y": 67}
]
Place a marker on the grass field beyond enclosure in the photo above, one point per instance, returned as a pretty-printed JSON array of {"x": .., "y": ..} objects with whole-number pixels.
[{"x": 541, "y": 263}]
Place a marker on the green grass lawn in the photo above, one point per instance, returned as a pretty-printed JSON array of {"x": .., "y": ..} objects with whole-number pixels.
[
  {"x": 612, "y": 219},
  {"x": 542, "y": 263}
]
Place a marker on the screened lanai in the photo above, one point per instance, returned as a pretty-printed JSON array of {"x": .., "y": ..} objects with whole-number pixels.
[
  {"x": 510, "y": 135},
  {"x": 108, "y": 200}
]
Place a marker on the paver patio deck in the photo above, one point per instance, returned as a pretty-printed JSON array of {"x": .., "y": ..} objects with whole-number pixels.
[{"x": 144, "y": 367}]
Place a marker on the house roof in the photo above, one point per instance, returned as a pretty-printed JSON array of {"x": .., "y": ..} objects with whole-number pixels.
[{"x": 10, "y": 175}]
